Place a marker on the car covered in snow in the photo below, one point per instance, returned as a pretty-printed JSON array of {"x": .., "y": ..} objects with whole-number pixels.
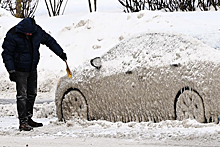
[{"x": 148, "y": 77}]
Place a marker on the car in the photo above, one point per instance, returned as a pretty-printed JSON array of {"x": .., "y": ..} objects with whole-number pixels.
[{"x": 147, "y": 77}]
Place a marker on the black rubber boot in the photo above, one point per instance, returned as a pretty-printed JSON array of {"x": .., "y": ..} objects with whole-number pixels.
[
  {"x": 25, "y": 127},
  {"x": 33, "y": 123}
]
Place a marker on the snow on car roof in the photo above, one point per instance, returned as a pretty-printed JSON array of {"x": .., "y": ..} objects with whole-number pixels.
[
  {"x": 153, "y": 50},
  {"x": 158, "y": 49}
]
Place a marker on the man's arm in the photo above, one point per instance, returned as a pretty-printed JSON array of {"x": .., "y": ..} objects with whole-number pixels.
[
  {"x": 50, "y": 42},
  {"x": 9, "y": 46}
]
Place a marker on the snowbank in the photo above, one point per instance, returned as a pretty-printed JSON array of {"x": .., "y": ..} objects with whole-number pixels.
[{"x": 187, "y": 132}]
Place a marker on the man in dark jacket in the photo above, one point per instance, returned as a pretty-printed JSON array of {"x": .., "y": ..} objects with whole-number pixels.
[{"x": 21, "y": 56}]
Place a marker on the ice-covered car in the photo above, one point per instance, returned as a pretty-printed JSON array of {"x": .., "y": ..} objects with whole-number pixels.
[{"x": 148, "y": 77}]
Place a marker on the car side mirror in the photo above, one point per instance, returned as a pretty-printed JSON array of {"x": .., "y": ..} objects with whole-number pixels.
[{"x": 96, "y": 62}]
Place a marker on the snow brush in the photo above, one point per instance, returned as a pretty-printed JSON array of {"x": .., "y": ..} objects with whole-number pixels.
[{"x": 68, "y": 70}]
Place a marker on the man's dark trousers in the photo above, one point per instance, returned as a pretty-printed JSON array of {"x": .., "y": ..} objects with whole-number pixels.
[{"x": 26, "y": 86}]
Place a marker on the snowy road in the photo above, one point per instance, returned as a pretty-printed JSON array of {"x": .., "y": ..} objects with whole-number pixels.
[{"x": 97, "y": 142}]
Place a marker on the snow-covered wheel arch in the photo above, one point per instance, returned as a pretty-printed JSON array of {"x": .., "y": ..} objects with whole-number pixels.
[
  {"x": 74, "y": 105},
  {"x": 71, "y": 103},
  {"x": 189, "y": 105}
]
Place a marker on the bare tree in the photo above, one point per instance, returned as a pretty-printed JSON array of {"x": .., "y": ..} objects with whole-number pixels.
[
  {"x": 20, "y": 8},
  {"x": 168, "y": 5},
  {"x": 54, "y": 6},
  {"x": 95, "y": 5},
  {"x": 4, "y": 4},
  {"x": 133, "y": 5},
  {"x": 90, "y": 6}
]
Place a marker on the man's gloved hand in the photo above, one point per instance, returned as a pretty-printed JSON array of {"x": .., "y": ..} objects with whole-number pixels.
[
  {"x": 63, "y": 56},
  {"x": 12, "y": 75}
]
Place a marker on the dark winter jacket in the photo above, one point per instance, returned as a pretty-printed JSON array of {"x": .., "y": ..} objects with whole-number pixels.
[{"x": 21, "y": 52}]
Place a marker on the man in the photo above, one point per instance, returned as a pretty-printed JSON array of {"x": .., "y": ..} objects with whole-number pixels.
[{"x": 21, "y": 56}]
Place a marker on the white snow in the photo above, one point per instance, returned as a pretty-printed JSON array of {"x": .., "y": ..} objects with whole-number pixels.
[{"x": 85, "y": 35}]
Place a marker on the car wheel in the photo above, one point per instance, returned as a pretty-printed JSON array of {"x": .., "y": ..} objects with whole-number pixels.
[
  {"x": 74, "y": 106},
  {"x": 189, "y": 104}
]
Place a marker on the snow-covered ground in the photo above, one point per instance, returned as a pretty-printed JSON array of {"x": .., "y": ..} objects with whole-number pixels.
[{"x": 86, "y": 35}]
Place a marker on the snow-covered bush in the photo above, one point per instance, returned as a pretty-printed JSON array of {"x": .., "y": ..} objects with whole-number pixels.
[{"x": 169, "y": 5}]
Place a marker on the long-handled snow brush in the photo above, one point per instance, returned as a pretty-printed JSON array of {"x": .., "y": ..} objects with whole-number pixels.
[{"x": 68, "y": 70}]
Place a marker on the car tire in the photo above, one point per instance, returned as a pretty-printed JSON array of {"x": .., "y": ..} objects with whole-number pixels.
[
  {"x": 74, "y": 106},
  {"x": 189, "y": 105}
]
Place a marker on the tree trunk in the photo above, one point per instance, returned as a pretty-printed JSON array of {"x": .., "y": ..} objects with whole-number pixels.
[
  {"x": 19, "y": 9},
  {"x": 90, "y": 6},
  {"x": 95, "y": 5}
]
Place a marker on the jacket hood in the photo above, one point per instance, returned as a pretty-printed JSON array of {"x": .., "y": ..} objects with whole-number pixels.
[{"x": 27, "y": 25}]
